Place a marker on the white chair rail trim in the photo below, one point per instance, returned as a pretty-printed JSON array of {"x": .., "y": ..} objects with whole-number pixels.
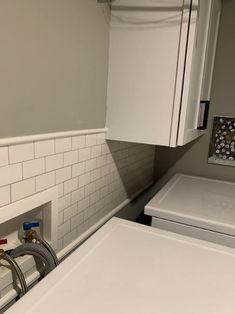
[{"x": 46, "y": 136}]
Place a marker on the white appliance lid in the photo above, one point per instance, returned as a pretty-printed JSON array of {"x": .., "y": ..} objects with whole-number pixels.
[
  {"x": 133, "y": 269},
  {"x": 196, "y": 201}
]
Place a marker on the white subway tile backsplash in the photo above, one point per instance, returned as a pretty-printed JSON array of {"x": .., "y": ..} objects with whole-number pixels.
[
  {"x": 60, "y": 190},
  {"x": 89, "y": 212},
  {"x": 120, "y": 155},
  {"x": 4, "y": 157},
  {"x": 70, "y": 212},
  {"x": 102, "y": 160},
  {"x": 95, "y": 151},
  {"x": 78, "y": 142},
  {"x": 95, "y": 174},
  {"x": 91, "y": 140},
  {"x": 70, "y": 158},
  {"x": 91, "y": 181},
  {"x": 83, "y": 204},
  {"x": 54, "y": 162},
  {"x": 70, "y": 185},
  {"x": 33, "y": 168},
  {"x": 100, "y": 183},
  {"x": 77, "y": 220},
  {"x": 78, "y": 169},
  {"x": 45, "y": 181},
  {"x": 90, "y": 165},
  {"x": 84, "y": 154},
  {"x": 21, "y": 152},
  {"x": 82, "y": 227},
  {"x": 100, "y": 138},
  {"x": 90, "y": 188},
  {"x": 94, "y": 197},
  {"x": 105, "y": 149},
  {"x": 63, "y": 144},
  {"x": 60, "y": 245},
  {"x": 5, "y": 195},
  {"x": 44, "y": 148},
  {"x": 64, "y": 202},
  {"x": 113, "y": 146},
  {"x": 104, "y": 191},
  {"x": 109, "y": 159},
  {"x": 112, "y": 168},
  {"x": 64, "y": 229},
  {"x": 63, "y": 174},
  {"x": 71, "y": 236},
  {"x": 60, "y": 218},
  {"x": 105, "y": 170},
  {"x": 84, "y": 179},
  {"x": 22, "y": 189},
  {"x": 10, "y": 174},
  {"x": 78, "y": 195},
  {"x": 108, "y": 199}
]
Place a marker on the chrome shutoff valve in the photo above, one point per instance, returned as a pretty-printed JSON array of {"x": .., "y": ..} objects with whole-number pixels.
[
  {"x": 28, "y": 225},
  {"x": 31, "y": 234}
]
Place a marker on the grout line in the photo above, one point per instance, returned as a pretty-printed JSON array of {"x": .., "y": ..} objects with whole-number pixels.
[{"x": 8, "y": 154}]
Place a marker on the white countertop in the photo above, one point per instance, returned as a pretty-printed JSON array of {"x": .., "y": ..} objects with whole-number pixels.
[
  {"x": 127, "y": 268},
  {"x": 196, "y": 201}
]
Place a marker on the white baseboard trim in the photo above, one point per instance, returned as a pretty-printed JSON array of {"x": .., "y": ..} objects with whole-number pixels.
[
  {"x": 47, "y": 136},
  {"x": 68, "y": 249}
]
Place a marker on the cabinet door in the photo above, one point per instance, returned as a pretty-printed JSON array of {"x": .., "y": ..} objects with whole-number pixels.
[
  {"x": 143, "y": 58},
  {"x": 211, "y": 49},
  {"x": 194, "y": 70}
]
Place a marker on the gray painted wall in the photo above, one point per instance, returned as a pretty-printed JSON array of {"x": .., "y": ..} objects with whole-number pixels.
[
  {"x": 53, "y": 65},
  {"x": 192, "y": 158}
]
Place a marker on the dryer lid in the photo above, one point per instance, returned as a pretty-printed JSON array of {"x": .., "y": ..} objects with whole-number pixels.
[{"x": 197, "y": 201}]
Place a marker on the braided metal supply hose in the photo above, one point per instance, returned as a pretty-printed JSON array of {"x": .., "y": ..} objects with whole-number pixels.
[
  {"x": 36, "y": 251},
  {"x": 16, "y": 269},
  {"x": 52, "y": 252}
]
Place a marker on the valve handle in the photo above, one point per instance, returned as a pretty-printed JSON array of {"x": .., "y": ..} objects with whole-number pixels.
[
  {"x": 28, "y": 225},
  {"x": 3, "y": 241}
]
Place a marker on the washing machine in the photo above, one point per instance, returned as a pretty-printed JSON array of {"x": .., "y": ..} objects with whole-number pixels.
[
  {"x": 130, "y": 268},
  {"x": 198, "y": 207}
]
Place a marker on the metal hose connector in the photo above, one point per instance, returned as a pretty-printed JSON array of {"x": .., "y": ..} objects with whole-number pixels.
[
  {"x": 33, "y": 235},
  {"x": 16, "y": 269}
]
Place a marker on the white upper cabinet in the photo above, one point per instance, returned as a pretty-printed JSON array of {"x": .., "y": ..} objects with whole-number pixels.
[{"x": 160, "y": 69}]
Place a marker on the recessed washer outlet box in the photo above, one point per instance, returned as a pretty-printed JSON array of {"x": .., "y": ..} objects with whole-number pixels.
[{"x": 42, "y": 206}]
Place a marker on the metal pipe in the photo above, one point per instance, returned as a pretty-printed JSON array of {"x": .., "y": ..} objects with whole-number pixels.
[{"x": 16, "y": 269}]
